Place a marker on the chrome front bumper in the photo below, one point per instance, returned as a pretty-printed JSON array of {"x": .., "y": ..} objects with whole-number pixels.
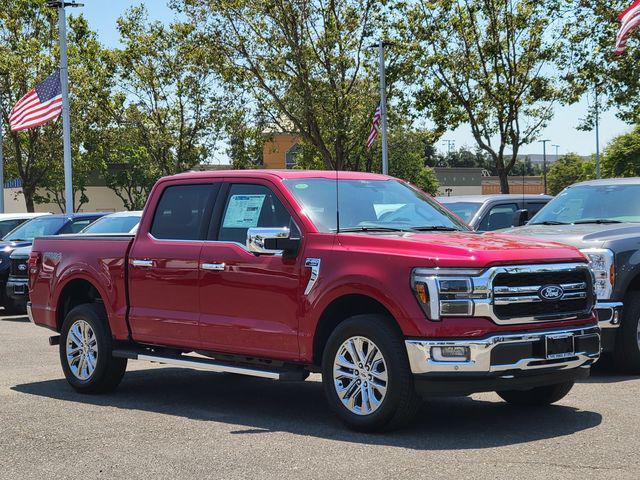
[
  {"x": 609, "y": 314},
  {"x": 488, "y": 355}
]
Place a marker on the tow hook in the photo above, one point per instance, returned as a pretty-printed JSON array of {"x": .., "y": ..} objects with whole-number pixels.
[{"x": 54, "y": 340}]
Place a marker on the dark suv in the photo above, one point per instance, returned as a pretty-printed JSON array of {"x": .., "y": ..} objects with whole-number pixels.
[
  {"x": 602, "y": 219},
  {"x": 13, "y": 273},
  {"x": 486, "y": 213}
]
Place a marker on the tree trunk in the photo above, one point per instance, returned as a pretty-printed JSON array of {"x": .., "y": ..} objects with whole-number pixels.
[
  {"x": 28, "y": 198},
  {"x": 504, "y": 180}
]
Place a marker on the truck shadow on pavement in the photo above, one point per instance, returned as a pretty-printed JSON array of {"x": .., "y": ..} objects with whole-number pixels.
[
  {"x": 21, "y": 319},
  {"x": 259, "y": 406}
]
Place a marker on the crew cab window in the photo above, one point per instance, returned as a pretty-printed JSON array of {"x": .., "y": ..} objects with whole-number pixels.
[
  {"x": 500, "y": 216},
  {"x": 180, "y": 212},
  {"x": 252, "y": 206},
  {"x": 7, "y": 225}
]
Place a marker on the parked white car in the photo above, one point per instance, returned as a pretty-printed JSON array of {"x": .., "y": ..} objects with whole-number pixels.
[{"x": 119, "y": 222}]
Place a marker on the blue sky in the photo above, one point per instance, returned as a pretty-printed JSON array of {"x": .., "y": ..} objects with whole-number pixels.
[{"x": 102, "y": 15}]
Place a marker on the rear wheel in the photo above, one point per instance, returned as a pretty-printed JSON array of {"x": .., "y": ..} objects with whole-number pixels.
[
  {"x": 85, "y": 351},
  {"x": 538, "y": 396},
  {"x": 366, "y": 375},
  {"x": 627, "y": 349}
]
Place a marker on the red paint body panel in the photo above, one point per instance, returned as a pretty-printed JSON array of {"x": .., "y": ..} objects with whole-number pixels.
[{"x": 257, "y": 306}]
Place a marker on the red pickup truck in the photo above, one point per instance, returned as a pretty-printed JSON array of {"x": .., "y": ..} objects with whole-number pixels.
[{"x": 358, "y": 276}]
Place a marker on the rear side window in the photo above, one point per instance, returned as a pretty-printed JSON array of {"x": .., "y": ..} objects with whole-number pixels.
[
  {"x": 500, "y": 216},
  {"x": 534, "y": 207},
  {"x": 180, "y": 212}
]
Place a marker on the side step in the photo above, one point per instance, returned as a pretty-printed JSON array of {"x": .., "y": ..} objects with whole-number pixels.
[{"x": 214, "y": 366}]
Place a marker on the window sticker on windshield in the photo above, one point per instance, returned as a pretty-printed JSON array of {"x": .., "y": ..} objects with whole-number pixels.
[
  {"x": 301, "y": 186},
  {"x": 243, "y": 211}
]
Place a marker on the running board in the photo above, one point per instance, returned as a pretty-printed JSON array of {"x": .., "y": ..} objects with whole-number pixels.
[{"x": 214, "y": 365}]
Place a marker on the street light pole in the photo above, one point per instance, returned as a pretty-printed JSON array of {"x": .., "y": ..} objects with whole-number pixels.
[
  {"x": 544, "y": 163},
  {"x": 66, "y": 116},
  {"x": 597, "y": 132},
  {"x": 1, "y": 164},
  {"x": 383, "y": 109},
  {"x": 557, "y": 147}
]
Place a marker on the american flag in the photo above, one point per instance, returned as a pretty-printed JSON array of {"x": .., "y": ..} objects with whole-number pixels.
[
  {"x": 41, "y": 105},
  {"x": 375, "y": 127},
  {"x": 629, "y": 20}
]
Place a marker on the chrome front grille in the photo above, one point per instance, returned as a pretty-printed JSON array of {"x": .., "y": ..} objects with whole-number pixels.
[
  {"x": 19, "y": 267},
  {"x": 508, "y": 295}
]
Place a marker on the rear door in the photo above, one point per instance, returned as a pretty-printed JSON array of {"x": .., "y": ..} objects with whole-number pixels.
[
  {"x": 77, "y": 224},
  {"x": 248, "y": 302},
  {"x": 163, "y": 266}
]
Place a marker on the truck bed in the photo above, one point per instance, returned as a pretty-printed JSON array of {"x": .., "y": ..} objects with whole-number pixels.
[{"x": 91, "y": 257}]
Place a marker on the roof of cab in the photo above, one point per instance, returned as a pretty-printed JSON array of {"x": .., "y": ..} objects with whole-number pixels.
[
  {"x": 281, "y": 174},
  {"x": 605, "y": 182},
  {"x": 499, "y": 196}
]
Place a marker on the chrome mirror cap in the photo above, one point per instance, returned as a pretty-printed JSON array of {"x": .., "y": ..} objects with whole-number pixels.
[{"x": 256, "y": 237}]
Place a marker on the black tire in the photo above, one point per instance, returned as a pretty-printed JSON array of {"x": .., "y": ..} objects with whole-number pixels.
[
  {"x": 108, "y": 370},
  {"x": 538, "y": 396},
  {"x": 627, "y": 349},
  {"x": 400, "y": 403}
]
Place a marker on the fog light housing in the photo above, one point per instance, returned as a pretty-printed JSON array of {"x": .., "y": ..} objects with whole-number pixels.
[{"x": 450, "y": 354}]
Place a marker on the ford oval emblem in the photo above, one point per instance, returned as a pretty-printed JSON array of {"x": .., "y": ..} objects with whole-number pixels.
[
  {"x": 22, "y": 267},
  {"x": 551, "y": 292}
]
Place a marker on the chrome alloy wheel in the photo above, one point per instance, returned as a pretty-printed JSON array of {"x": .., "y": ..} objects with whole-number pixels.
[
  {"x": 360, "y": 375},
  {"x": 82, "y": 350}
]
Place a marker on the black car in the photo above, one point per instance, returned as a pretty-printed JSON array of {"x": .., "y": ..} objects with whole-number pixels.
[
  {"x": 13, "y": 285},
  {"x": 486, "y": 213},
  {"x": 602, "y": 218}
]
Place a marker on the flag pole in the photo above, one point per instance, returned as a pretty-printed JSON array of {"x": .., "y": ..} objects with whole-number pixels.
[
  {"x": 66, "y": 118},
  {"x": 64, "y": 84},
  {"x": 1, "y": 164},
  {"x": 383, "y": 110}
]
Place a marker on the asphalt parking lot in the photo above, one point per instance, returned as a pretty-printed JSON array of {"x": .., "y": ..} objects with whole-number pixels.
[{"x": 172, "y": 423}]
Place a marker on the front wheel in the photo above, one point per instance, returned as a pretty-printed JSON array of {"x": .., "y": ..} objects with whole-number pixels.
[
  {"x": 538, "y": 396},
  {"x": 366, "y": 375},
  {"x": 85, "y": 351}
]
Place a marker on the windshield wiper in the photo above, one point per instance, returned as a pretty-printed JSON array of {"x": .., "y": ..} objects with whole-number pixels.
[
  {"x": 435, "y": 228},
  {"x": 602, "y": 221},
  {"x": 18, "y": 240},
  {"x": 549, "y": 222},
  {"x": 372, "y": 229}
]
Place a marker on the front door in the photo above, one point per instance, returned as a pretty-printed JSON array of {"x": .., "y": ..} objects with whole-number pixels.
[
  {"x": 163, "y": 267},
  {"x": 248, "y": 302}
]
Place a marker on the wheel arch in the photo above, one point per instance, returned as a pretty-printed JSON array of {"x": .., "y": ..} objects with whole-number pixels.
[
  {"x": 77, "y": 291},
  {"x": 340, "y": 309}
]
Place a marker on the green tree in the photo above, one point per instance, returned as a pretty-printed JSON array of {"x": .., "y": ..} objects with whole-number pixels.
[
  {"x": 622, "y": 155},
  {"x": 306, "y": 65},
  {"x": 28, "y": 54},
  {"x": 567, "y": 170},
  {"x": 168, "y": 94},
  {"x": 491, "y": 65}
]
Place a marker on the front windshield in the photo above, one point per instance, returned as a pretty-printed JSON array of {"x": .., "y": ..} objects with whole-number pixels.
[
  {"x": 38, "y": 227},
  {"x": 369, "y": 205},
  {"x": 592, "y": 203},
  {"x": 120, "y": 224},
  {"x": 465, "y": 210}
]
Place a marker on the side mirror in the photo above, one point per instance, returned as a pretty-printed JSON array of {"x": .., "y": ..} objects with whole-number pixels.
[
  {"x": 271, "y": 241},
  {"x": 520, "y": 217}
]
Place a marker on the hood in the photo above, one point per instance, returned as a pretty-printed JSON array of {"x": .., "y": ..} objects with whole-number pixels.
[
  {"x": 580, "y": 236},
  {"x": 22, "y": 252},
  {"x": 462, "y": 249}
]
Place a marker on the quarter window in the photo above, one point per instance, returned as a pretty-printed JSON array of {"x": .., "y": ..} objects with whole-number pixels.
[{"x": 180, "y": 212}]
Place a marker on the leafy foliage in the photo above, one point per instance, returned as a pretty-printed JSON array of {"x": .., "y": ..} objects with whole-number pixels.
[
  {"x": 622, "y": 155},
  {"x": 567, "y": 170},
  {"x": 489, "y": 64}
]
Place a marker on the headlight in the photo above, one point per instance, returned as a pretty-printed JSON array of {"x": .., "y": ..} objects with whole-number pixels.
[
  {"x": 444, "y": 292},
  {"x": 602, "y": 264}
]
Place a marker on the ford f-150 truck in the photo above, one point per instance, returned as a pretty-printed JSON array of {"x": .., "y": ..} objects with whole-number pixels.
[{"x": 358, "y": 276}]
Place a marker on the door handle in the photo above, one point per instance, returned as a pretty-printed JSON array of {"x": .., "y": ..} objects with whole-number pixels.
[
  {"x": 218, "y": 267},
  {"x": 142, "y": 263}
]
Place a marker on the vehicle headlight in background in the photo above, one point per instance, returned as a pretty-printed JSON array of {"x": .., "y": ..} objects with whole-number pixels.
[
  {"x": 444, "y": 291},
  {"x": 601, "y": 261}
]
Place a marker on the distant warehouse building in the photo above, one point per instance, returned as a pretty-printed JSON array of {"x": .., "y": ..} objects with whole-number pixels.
[{"x": 459, "y": 181}]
